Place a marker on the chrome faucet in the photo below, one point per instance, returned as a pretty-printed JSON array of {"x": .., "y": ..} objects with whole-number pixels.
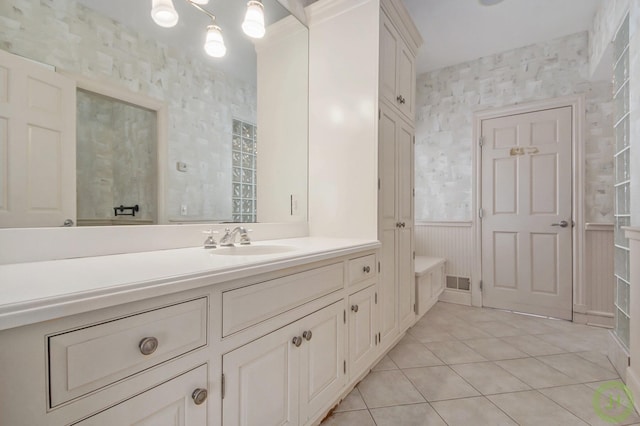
[{"x": 229, "y": 236}]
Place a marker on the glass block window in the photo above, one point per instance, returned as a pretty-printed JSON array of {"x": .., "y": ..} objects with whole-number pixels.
[
  {"x": 244, "y": 159},
  {"x": 622, "y": 179}
]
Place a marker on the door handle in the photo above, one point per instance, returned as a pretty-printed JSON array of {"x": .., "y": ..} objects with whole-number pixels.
[{"x": 562, "y": 224}]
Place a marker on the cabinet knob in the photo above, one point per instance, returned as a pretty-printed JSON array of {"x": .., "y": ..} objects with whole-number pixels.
[
  {"x": 199, "y": 396},
  {"x": 148, "y": 345},
  {"x": 366, "y": 269},
  {"x": 297, "y": 341},
  {"x": 307, "y": 335},
  {"x": 354, "y": 308}
]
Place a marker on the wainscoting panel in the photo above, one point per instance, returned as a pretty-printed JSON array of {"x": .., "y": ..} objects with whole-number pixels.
[
  {"x": 450, "y": 240},
  {"x": 599, "y": 278}
]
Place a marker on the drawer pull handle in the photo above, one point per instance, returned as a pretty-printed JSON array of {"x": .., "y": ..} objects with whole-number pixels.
[
  {"x": 199, "y": 396},
  {"x": 297, "y": 341},
  {"x": 307, "y": 335},
  {"x": 148, "y": 345},
  {"x": 354, "y": 308},
  {"x": 366, "y": 269}
]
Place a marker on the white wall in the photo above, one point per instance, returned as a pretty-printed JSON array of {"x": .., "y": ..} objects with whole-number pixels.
[
  {"x": 283, "y": 65},
  {"x": 343, "y": 118}
]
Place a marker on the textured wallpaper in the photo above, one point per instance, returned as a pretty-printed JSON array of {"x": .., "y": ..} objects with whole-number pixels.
[
  {"x": 202, "y": 100},
  {"x": 447, "y": 99}
]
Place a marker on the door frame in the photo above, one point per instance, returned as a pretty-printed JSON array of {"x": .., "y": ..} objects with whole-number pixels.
[{"x": 577, "y": 103}]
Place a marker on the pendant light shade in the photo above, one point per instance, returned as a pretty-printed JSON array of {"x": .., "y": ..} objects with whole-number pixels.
[
  {"x": 253, "y": 24},
  {"x": 202, "y": 2},
  {"x": 163, "y": 13},
  {"x": 214, "y": 45}
]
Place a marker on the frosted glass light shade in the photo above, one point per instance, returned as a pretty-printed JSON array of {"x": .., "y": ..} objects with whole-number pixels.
[
  {"x": 214, "y": 45},
  {"x": 253, "y": 24},
  {"x": 200, "y": 1},
  {"x": 163, "y": 13}
]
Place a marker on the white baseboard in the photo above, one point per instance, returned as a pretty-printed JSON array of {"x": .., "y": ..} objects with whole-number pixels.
[
  {"x": 598, "y": 319},
  {"x": 456, "y": 296},
  {"x": 633, "y": 383},
  {"x": 618, "y": 356}
]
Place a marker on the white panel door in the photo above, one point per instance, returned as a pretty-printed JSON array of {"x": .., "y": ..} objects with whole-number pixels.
[
  {"x": 261, "y": 380},
  {"x": 37, "y": 145},
  {"x": 322, "y": 359},
  {"x": 526, "y": 201},
  {"x": 169, "y": 404}
]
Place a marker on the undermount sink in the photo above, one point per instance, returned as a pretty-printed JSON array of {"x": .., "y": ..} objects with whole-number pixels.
[{"x": 252, "y": 250}]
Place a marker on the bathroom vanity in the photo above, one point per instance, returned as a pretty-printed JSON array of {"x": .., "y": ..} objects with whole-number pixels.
[{"x": 271, "y": 333}]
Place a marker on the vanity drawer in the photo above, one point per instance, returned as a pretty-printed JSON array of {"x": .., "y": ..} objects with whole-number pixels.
[
  {"x": 246, "y": 306},
  {"x": 362, "y": 268},
  {"x": 87, "y": 359}
]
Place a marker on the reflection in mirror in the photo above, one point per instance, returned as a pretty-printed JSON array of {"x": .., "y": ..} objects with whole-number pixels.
[
  {"x": 116, "y": 44},
  {"x": 115, "y": 161}
]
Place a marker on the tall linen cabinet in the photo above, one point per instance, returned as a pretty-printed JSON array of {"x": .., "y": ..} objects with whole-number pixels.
[{"x": 361, "y": 142}]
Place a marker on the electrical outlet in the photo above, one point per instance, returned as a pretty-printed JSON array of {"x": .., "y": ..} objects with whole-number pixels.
[{"x": 183, "y": 209}]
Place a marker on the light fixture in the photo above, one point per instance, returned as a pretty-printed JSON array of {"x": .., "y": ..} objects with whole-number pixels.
[
  {"x": 214, "y": 45},
  {"x": 163, "y": 13},
  {"x": 253, "y": 24}
]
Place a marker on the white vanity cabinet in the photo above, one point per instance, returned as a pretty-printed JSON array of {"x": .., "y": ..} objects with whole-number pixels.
[
  {"x": 288, "y": 376},
  {"x": 271, "y": 343}
]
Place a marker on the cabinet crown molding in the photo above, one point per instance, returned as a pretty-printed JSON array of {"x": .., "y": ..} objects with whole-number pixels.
[{"x": 400, "y": 15}]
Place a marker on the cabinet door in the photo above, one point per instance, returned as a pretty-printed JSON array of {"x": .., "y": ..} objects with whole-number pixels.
[
  {"x": 171, "y": 403},
  {"x": 261, "y": 381},
  {"x": 388, "y": 298},
  {"x": 389, "y": 40},
  {"x": 322, "y": 360},
  {"x": 406, "y": 72},
  {"x": 406, "y": 281},
  {"x": 363, "y": 313}
]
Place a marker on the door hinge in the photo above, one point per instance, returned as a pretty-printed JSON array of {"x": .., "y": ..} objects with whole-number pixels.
[
  {"x": 344, "y": 316},
  {"x": 480, "y": 212},
  {"x": 378, "y": 184},
  {"x": 414, "y": 308},
  {"x": 376, "y": 297},
  {"x": 376, "y": 339},
  {"x": 378, "y": 267},
  {"x": 414, "y": 255},
  {"x": 344, "y": 366},
  {"x": 414, "y": 139},
  {"x": 481, "y": 141},
  {"x": 414, "y": 192},
  {"x": 379, "y": 338},
  {"x": 480, "y": 285},
  {"x": 379, "y": 114},
  {"x": 222, "y": 385}
]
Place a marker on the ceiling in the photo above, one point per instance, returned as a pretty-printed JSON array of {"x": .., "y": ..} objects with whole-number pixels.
[{"x": 457, "y": 31}]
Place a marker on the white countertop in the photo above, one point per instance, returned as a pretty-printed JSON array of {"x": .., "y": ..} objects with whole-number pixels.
[{"x": 40, "y": 291}]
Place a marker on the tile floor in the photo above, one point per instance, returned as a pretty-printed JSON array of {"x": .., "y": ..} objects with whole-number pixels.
[{"x": 472, "y": 366}]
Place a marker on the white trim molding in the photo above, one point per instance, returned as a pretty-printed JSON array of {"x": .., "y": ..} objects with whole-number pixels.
[
  {"x": 603, "y": 227},
  {"x": 446, "y": 224},
  {"x": 576, "y": 103}
]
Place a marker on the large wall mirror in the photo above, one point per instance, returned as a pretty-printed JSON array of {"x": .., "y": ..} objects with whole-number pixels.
[{"x": 163, "y": 133}]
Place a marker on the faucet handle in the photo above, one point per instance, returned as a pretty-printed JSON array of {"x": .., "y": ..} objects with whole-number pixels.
[
  {"x": 210, "y": 242},
  {"x": 244, "y": 237}
]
